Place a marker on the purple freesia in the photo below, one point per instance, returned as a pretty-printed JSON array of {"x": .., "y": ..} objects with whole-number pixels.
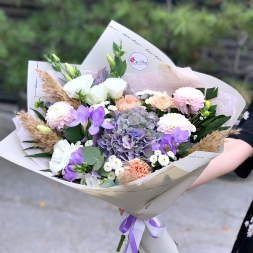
[
  {"x": 81, "y": 116},
  {"x": 71, "y": 175},
  {"x": 169, "y": 142},
  {"x": 76, "y": 157},
  {"x": 97, "y": 120}
]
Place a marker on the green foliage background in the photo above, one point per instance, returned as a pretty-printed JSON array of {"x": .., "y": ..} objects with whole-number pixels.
[{"x": 70, "y": 29}]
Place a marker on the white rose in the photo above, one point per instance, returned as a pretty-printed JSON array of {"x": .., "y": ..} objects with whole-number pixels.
[
  {"x": 92, "y": 181},
  {"x": 96, "y": 95},
  {"x": 81, "y": 83},
  {"x": 115, "y": 87},
  {"x": 61, "y": 155}
]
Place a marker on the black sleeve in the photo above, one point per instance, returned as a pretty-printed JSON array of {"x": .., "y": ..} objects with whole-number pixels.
[{"x": 246, "y": 134}]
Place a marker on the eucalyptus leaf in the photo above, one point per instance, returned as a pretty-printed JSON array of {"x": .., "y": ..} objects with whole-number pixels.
[
  {"x": 99, "y": 163},
  {"x": 108, "y": 183},
  {"x": 29, "y": 141},
  {"x": 40, "y": 116},
  {"x": 73, "y": 134},
  {"x": 91, "y": 155},
  {"x": 48, "y": 170},
  {"x": 102, "y": 172}
]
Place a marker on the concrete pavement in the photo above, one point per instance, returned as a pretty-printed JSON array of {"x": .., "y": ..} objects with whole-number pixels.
[{"x": 38, "y": 215}]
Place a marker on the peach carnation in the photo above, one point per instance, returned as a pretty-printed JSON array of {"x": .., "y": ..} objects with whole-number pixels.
[
  {"x": 139, "y": 167},
  {"x": 162, "y": 101},
  {"x": 127, "y": 103}
]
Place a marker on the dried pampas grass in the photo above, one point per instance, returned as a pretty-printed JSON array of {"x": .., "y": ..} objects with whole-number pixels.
[
  {"x": 45, "y": 141},
  {"x": 212, "y": 141},
  {"x": 53, "y": 91}
]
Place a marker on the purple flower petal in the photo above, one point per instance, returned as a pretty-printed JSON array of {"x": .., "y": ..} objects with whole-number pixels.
[
  {"x": 93, "y": 130},
  {"x": 107, "y": 125}
]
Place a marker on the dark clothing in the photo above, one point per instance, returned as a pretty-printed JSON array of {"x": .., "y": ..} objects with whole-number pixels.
[{"x": 244, "y": 241}]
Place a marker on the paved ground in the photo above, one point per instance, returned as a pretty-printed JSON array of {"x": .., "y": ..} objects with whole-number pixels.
[{"x": 38, "y": 215}]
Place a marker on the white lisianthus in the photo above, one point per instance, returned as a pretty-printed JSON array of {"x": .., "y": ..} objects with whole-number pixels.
[
  {"x": 117, "y": 163},
  {"x": 147, "y": 101},
  {"x": 139, "y": 93},
  {"x": 153, "y": 159},
  {"x": 119, "y": 171},
  {"x": 163, "y": 160},
  {"x": 88, "y": 143},
  {"x": 92, "y": 181},
  {"x": 61, "y": 155},
  {"x": 148, "y": 92},
  {"x": 105, "y": 102},
  {"x": 81, "y": 83},
  {"x": 111, "y": 175},
  {"x": 115, "y": 87},
  {"x": 97, "y": 94},
  {"x": 112, "y": 158},
  {"x": 157, "y": 152},
  {"x": 108, "y": 167}
]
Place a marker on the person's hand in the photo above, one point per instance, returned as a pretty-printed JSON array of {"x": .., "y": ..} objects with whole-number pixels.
[{"x": 121, "y": 211}]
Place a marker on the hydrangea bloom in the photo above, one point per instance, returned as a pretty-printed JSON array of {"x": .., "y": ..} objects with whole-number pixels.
[
  {"x": 170, "y": 121},
  {"x": 189, "y": 100},
  {"x": 59, "y": 115}
]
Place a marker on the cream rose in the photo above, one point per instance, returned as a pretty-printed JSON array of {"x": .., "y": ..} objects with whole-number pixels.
[
  {"x": 97, "y": 94},
  {"x": 161, "y": 101},
  {"x": 61, "y": 155},
  {"x": 81, "y": 83},
  {"x": 115, "y": 87}
]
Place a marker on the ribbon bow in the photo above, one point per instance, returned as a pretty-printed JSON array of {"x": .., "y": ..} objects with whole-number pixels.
[{"x": 134, "y": 228}]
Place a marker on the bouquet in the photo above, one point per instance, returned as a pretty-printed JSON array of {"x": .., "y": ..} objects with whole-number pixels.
[{"x": 111, "y": 134}]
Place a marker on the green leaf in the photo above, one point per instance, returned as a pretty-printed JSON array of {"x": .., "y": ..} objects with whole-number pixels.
[
  {"x": 212, "y": 108},
  {"x": 185, "y": 146},
  {"x": 115, "y": 47},
  {"x": 108, "y": 183},
  {"x": 73, "y": 134},
  {"x": 211, "y": 93},
  {"x": 224, "y": 128},
  {"x": 122, "y": 238},
  {"x": 201, "y": 89},
  {"x": 46, "y": 170},
  {"x": 122, "y": 68},
  {"x": 41, "y": 117},
  {"x": 112, "y": 75},
  {"x": 32, "y": 148},
  {"x": 216, "y": 123},
  {"x": 99, "y": 163},
  {"x": 29, "y": 141},
  {"x": 40, "y": 155},
  {"x": 91, "y": 155},
  {"x": 174, "y": 110}
]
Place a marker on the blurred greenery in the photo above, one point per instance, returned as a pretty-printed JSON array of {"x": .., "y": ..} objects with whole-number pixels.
[{"x": 70, "y": 29}]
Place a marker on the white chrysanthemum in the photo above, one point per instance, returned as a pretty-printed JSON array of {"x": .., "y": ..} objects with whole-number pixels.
[
  {"x": 153, "y": 165},
  {"x": 88, "y": 143},
  {"x": 195, "y": 137},
  {"x": 112, "y": 158},
  {"x": 157, "y": 152},
  {"x": 108, "y": 167},
  {"x": 246, "y": 223},
  {"x": 153, "y": 159},
  {"x": 119, "y": 171},
  {"x": 117, "y": 163},
  {"x": 170, "y": 121},
  {"x": 147, "y": 101},
  {"x": 193, "y": 129},
  {"x": 163, "y": 160},
  {"x": 112, "y": 108},
  {"x": 108, "y": 120},
  {"x": 59, "y": 115},
  {"x": 111, "y": 175},
  {"x": 171, "y": 154},
  {"x": 148, "y": 92},
  {"x": 139, "y": 93},
  {"x": 251, "y": 220},
  {"x": 105, "y": 103}
]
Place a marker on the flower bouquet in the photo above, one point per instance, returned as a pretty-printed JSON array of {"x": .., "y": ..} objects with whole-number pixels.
[{"x": 136, "y": 141}]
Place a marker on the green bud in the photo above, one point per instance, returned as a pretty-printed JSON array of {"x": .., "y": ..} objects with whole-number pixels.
[
  {"x": 56, "y": 67},
  {"x": 70, "y": 69},
  {"x": 55, "y": 58},
  {"x": 110, "y": 60},
  {"x": 207, "y": 104},
  {"x": 44, "y": 129},
  {"x": 38, "y": 104},
  {"x": 206, "y": 113},
  {"x": 67, "y": 77}
]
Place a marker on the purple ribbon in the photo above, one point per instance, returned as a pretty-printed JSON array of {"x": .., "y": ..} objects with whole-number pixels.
[{"x": 128, "y": 225}]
